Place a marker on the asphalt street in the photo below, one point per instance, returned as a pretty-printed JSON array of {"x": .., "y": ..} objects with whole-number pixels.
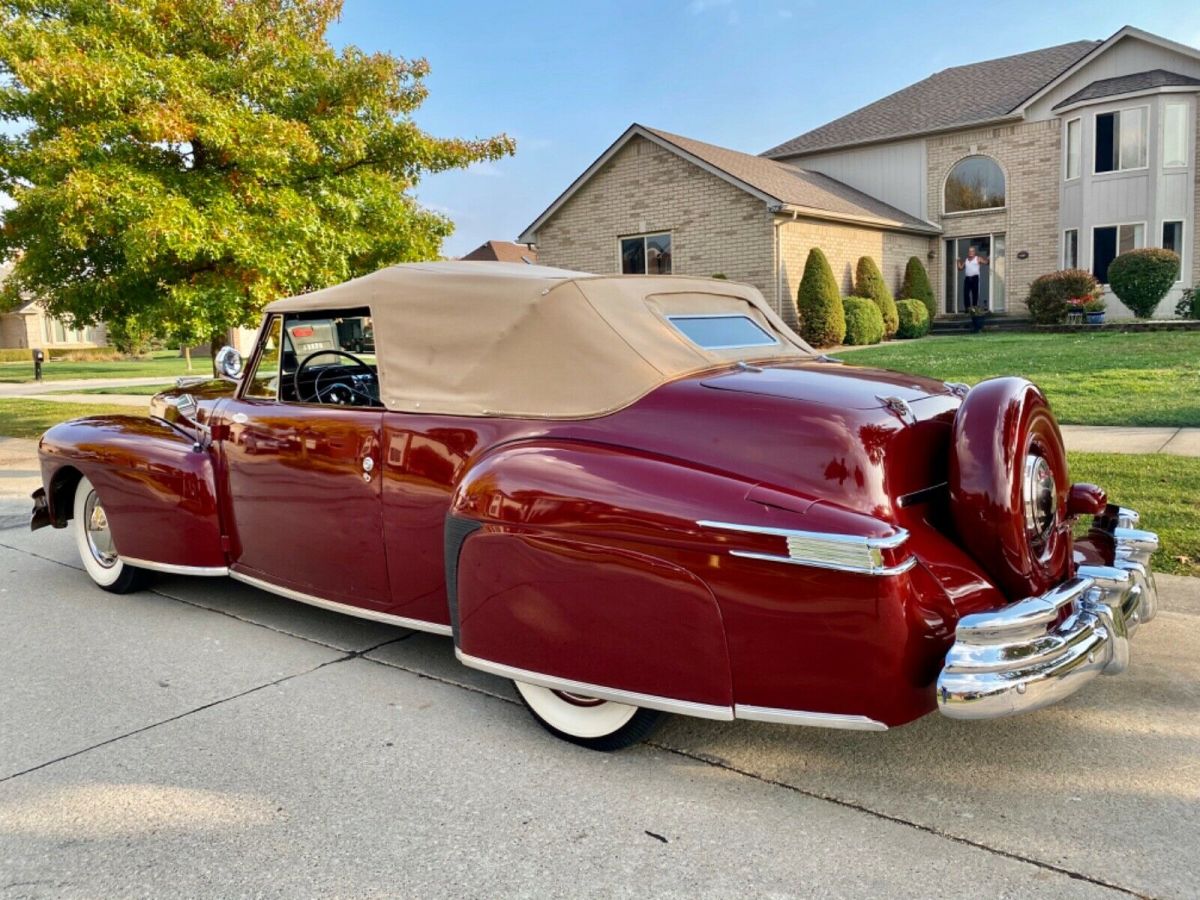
[{"x": 208, "y": 739}]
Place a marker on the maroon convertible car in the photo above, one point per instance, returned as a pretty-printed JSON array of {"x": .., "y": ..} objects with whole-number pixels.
[{"x": 630, "y": 495}]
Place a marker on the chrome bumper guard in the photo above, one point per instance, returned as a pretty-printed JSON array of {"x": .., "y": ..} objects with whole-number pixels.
[{"x": 1038, "y": 651}]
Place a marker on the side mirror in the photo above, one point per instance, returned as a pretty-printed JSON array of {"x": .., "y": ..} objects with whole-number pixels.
[{"x": 229, "y": 363}]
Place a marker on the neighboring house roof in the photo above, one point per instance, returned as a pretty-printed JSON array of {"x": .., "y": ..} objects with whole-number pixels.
[
  {"x": 1129, "y": 84},
  {"x": 952, "y": 98},
  {"x": 781, "y": 186},
  {"x": 502, "y": 251}
]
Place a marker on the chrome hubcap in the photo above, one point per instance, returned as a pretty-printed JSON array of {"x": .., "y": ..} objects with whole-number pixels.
[{"x": 99, "y": 537}]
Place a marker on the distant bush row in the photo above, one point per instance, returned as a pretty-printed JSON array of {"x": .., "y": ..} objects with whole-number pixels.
[{"x": 870, "y": 314}]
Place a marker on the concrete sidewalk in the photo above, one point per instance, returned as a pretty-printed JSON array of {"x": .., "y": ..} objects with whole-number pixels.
[
  {"x": 1121, "y": 439},
  {"x": 31, "y": 388}
]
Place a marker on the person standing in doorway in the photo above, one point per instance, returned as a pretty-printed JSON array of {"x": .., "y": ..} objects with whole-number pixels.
[{"x": 970, "y": 269}]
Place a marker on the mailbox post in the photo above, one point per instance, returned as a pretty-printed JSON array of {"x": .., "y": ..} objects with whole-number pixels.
[{"x": 38, "y": 358}]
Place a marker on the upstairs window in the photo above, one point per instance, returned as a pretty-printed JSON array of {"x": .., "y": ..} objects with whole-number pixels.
[
  {"x": 1175, "y": 134},
  {"x": 1074, "y": 147},
  {"x": 976, "y": 182},
  {"x": 1121, "y": 140},
  {"x": 646, "y": 254}
]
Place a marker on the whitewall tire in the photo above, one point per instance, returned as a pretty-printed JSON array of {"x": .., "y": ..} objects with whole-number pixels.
[
  {"x": 93, "y": 539},
  {"x": 592, "y": 723}
]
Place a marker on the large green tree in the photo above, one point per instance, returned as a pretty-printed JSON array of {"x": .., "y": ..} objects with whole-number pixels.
[{"x": 176, "y": 164}]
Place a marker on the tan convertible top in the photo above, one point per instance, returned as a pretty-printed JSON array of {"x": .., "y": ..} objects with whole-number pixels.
[{"x": 489, "y": 339}]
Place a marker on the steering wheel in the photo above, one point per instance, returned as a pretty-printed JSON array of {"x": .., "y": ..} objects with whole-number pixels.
[{"x": 317, "y": 381}]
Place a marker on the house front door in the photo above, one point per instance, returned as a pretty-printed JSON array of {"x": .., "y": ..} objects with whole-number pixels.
[{"x": 991, "y": 276}]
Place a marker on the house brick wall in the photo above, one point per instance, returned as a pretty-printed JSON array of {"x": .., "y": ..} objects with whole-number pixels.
[
  {"x": 715, "y": 227},
  {"x": 843, "y": 244},
  {"x": 1029, "y": 154}
]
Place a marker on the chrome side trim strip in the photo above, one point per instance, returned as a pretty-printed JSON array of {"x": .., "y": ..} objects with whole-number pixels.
[
  {"x": 334, "y": 606},
  {"x": 898, "y": 569},
  {"x": 824, "y": 550},
  {"x": 172, "y": 569},
  {"x": 800, "y": 717},
  {"x": 614, "y": 695},
  {"x": 891, "y": 542}
]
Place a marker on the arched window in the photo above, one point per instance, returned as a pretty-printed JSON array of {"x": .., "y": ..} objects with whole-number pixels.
[{"x": 975, "y": 182}]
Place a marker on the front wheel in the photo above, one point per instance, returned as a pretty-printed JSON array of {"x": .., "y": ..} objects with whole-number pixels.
[
  {"x": 586, "y": 721},
  {"x": 93, "y": 537}
]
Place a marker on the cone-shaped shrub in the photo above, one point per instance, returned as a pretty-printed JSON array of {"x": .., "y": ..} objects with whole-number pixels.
[
  {"x": 916, "y": 285},
  {"x": 869, "y": 283},
  {"x": 819, "y": 303},
  {"x": 864, "y": 322},
  {"x": 1141, "y": 278},
  {"x": 914, "y": 319}
]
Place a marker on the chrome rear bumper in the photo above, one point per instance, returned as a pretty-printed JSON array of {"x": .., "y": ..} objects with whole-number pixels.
[{"x": 1038, "y": 651}]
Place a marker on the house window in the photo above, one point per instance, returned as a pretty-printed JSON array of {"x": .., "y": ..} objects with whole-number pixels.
[
  {"x": 1074, "y": 147},
  {"x": 1121, "y": 140},
  {"x": 1110, "y": 241},
  {"x": 1071, "y": 248},
  {"x": 1175, "y": 134},
  {"x": 646, "y": 254},
  {"x": 1172, "y": 239},
  {"x": 976, "y": 182}
]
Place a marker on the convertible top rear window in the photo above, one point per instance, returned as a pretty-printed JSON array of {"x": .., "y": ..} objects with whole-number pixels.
[{"x": 722, "y": 332}]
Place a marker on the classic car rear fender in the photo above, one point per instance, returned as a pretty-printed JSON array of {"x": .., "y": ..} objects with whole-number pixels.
[
  {"x": 606, "y": 567},
  {"x": 159, "y": 492}
]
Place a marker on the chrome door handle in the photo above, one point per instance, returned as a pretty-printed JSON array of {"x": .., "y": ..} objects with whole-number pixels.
[{"x": 368, "y": 466}]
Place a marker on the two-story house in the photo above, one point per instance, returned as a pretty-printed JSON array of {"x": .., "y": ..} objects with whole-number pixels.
[{"x": 1062, "y": 157}]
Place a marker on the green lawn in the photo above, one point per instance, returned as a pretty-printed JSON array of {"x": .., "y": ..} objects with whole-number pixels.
[
  {"x": 161, "y": 365},
  {"x": 1103, "y": 378},
  {"x": 1164, "y": 489},
  {"x": 23, "y": 417}
]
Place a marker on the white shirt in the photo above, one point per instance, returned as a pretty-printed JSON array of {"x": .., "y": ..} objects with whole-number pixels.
[{"x": 971, "y": 266}]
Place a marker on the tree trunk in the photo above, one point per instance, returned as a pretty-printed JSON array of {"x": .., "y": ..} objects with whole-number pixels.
[
  {"x": 215, "y": 343},
  {"x": 187, "y": 354}
]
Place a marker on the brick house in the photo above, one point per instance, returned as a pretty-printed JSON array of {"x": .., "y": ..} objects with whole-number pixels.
[
  {"x": 30, "y": 326},
  {"x": 1061, "y": 157}
]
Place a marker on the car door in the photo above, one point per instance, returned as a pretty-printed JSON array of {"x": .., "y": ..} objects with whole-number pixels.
[{"x": 303, "y": 487}]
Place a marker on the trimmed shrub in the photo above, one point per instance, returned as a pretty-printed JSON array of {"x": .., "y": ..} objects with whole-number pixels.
[
  {"x": 1048, "y": 295},
  {"x": 1141, "y": 278},
  {"x": 914, "y": 319},
  {"x": 917, "y": 287},
  {"x": 1188, "y": 306},
  {"x": 819, "y": 303},
  {"x": 864, "y": 321},
  {"x": 869, "y": 283}
]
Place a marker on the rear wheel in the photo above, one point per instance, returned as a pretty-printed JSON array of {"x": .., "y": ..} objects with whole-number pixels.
[
  {"x": 587, "y": 721},
  {"x": 93, "y": 538}
]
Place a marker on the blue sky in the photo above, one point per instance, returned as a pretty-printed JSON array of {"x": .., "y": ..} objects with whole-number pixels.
[{"x": 566, "y": 78}]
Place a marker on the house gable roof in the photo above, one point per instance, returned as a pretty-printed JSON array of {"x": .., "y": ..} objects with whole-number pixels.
[
  {"x": 1129, "y": 84},
  {"x": 953, "y": 98},
  {"x": 502, "y": 251},
  {"x": 780, "y": 186}
]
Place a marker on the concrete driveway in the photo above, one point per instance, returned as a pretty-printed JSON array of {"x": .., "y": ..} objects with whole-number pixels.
[{"x": 205, "y": 738}]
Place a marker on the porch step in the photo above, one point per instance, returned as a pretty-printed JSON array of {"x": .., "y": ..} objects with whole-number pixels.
[{"x": 998, "y": 322}]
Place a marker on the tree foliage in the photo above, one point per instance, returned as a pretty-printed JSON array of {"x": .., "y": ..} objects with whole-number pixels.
[
  {"x": 183, "y": 162},
  {"x": 819, "y": 303},
  {"x": 916, "y": 285},
  {"x": 869, "y": 283}
]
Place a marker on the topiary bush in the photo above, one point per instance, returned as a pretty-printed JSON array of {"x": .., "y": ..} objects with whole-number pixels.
[
  {"x": 869, "y": 283},
  {"x": 864, "y": 321},
  {"x": 1048, "y": 295},
  {"x": 819, "y": 303},
  {"x": 916, "y": 285},
  {"x": 914, "y": 319},
  {"x": 1141, "y": 278}
]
